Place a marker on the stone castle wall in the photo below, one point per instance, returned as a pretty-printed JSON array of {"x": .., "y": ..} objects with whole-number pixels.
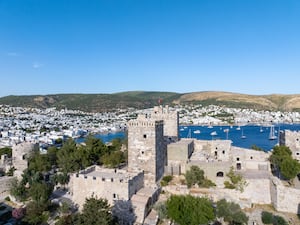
[
  {"x": 284, "y": 199},
  {"x": 20, "y": 154},
  {"x": 5, "y": 185},
  {"x": 171, "y": 121},
  {"x": 108, "y": 183},
  {"x": 291, "y": 139},
  {"x": 146, "y": 148}
]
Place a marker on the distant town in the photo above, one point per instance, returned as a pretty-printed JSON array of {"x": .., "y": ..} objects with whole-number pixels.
[{"x": 44, "y": 126}]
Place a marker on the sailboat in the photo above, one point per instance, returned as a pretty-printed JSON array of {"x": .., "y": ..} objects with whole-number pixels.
[
  {"x": 272, "y": 135},
  {"x": 243, "y": 136}
]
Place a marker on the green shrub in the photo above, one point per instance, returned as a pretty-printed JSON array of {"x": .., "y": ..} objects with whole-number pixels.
[
  {"x": 167, "y": 178},
  {"x": 229, "y": 185},
  {"x": 278, "y": 220},
  {"x": 266, "y": 217}
]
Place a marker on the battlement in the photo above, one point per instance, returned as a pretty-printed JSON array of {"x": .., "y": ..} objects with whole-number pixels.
[
  {"x": 96, "y": 173},
  {"x": 143, "y": 121}
]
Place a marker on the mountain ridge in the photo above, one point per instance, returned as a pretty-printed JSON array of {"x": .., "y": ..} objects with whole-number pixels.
[{"x": 145, "y": 99}]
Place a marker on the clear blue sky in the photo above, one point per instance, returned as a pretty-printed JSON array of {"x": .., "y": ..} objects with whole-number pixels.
[{"x": 107, "y": 46}]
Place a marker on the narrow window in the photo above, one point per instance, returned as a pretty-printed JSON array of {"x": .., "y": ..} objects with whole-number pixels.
[
  {"x": 112, "y": 179},
  {"x": 251, "y": 157},
  {"x": 237, "y": 159},
  {"x": 223, "y": 152},
  {"x": 145, "y": 136}
]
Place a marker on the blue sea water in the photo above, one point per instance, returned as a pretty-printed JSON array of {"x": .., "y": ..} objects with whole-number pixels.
[{"x": 253, "y": 134}]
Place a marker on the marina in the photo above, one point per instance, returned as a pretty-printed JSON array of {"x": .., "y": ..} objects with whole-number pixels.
[{"x": 265, "y": 137}]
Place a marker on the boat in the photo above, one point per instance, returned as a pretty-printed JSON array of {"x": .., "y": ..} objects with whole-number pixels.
[
  {"x": 238, "y": 128},
  {"x": 272, "y": 135},
  {"x": 189, "y": 135},
  {"x": 261, "y": 130},
  {"x": 214, "y": 133},
  {"x": 210, "y": 126},
  {"x": 197, "y": 131},
  {"x": 243, "y": 136}
]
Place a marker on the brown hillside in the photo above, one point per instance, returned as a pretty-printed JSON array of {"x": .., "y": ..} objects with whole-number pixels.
[{"x": 269, "y": 102}]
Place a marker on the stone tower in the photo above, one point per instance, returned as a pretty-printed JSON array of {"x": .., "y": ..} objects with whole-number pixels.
[
  {"x": 146, "y": 147},
  {"x": 291, "y": 139},
  {"x": 171, "y": 121}
]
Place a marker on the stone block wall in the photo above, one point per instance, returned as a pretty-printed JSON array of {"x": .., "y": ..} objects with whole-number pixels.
[
  {"x": 291, "y": 139},
  {"x": 284, "y": 198},
  {"x": 105, "y": 185},
  {"x": 146, "y": 148},
  {"x": 5, "y": 186}
]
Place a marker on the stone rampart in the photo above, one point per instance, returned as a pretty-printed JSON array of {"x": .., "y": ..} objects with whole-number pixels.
[
  {"x": 107, "y": 183},
  {"x": 284, "y": 198}
]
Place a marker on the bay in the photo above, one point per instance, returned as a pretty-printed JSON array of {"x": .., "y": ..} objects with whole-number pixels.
[
  {"x": 241, "y": 136},
  {"x": 253, "y": 134}
]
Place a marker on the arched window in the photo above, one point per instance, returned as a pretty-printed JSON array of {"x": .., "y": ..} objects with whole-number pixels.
[{"x": 220, "y": 174}]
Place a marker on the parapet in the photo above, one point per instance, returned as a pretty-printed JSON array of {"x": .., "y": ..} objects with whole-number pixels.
[
  {"x": 143, "y": 121},
  {"x": 105, "y": 174}
]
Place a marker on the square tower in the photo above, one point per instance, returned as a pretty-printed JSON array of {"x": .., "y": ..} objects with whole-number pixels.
[
  {"x": 146, "y": 148},
  {"x": 171, "y": 121}
]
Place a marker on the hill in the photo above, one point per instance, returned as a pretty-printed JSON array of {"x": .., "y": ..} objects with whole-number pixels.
[
  {"x": 142, "y": 99},
  {"x": 92, "y": 102}
]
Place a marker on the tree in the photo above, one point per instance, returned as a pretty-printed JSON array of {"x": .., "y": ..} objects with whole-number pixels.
[
  {"x": 61, "y": 178},
  {"x": 65, "y": 157},
  {"x": 113, "y": 159},
  {"x": 95, "y": 148},
  {"x": 283, "y": 163},
  {"x": 278, "y": 154},
  {"x": 40, "y": 192},
  {"x": 39, "y": 162},
  {"x": 6, "y": 150},
  {"x": 231, "y": 212},
  {"x": 289, "y": 168},
  {"x": 36, "y": 213},
  {"x": 188, "y": 210},
  {"x": 161, "y": 209},
  {"x": 236, "y": 181},
  {"x": 95, "y": 211},
  {"x": 196, "y": 176},
  {"x": 266, "y": 217},
  {"x": 18, "y": 190},
  {"x": 52, "y": 155}
]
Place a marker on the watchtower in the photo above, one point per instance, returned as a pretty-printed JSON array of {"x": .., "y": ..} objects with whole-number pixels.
[
  {"x": 146, "y": 147},
  {"x": 171, "y": 121}
]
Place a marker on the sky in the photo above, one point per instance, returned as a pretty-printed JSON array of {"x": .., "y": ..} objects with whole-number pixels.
[{"x": 109, "y": 46}]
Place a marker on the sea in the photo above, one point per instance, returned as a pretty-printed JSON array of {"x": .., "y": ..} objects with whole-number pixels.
[{"x": 241, "y": 136}]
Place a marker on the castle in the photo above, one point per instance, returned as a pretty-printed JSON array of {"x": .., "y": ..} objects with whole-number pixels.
[
  {"x": 148, "y": 137},
  {"x": 155, "y": 149}
]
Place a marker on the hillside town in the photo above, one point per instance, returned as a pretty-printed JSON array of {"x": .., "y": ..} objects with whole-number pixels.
[
  {"x": 44, "y": 126},
  {"x": 158, "y": 164}
]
